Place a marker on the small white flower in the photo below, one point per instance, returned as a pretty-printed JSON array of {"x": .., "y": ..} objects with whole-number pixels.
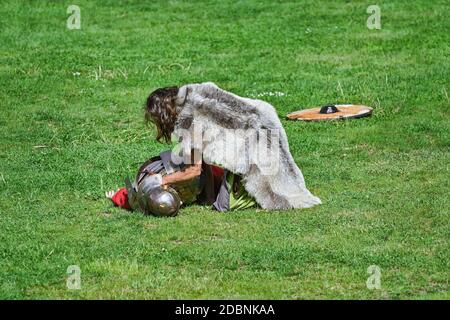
[{"x": 270, "y": 94}]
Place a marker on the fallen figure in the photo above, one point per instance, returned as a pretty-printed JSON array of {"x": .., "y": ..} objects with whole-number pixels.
[
  {"x": 161, "y": 187},
  {"x": 243, "y": 136}
]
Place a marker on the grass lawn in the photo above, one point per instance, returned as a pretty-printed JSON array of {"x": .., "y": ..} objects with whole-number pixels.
[{"x": 71, "y": 127}]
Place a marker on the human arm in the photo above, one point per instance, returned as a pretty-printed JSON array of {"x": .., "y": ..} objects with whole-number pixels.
[{"x": 186, "y": 174}]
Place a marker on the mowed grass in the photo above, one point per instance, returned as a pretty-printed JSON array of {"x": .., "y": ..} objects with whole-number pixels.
[{"x": 71, "y": 127}]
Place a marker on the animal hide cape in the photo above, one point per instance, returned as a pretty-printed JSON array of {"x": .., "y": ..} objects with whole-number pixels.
[{"x": 244, "y": 136}]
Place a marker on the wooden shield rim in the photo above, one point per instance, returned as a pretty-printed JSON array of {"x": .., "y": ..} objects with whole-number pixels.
[{"x": 365, "y": 111}]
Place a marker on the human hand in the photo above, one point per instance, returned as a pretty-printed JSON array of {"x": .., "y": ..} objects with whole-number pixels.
[{"x": 110, "y": 194}]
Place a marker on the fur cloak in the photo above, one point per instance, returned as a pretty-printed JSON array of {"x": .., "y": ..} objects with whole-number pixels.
[{"x": 220, "y": 121}]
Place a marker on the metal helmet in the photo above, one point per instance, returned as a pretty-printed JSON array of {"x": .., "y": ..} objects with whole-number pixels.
[{"x": 158, "y": 201}]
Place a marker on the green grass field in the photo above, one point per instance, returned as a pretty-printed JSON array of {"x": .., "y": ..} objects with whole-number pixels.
[{"x": 72, "y": 127}]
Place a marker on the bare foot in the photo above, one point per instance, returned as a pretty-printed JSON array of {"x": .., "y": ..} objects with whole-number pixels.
[{"x": 110, "y": 194}]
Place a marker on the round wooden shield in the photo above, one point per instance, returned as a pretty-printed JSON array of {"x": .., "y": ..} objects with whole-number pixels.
[{"x": 344, "y": 111}]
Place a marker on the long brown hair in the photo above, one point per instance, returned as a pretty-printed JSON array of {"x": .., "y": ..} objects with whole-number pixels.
[{"x": 161, "y": 110}]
